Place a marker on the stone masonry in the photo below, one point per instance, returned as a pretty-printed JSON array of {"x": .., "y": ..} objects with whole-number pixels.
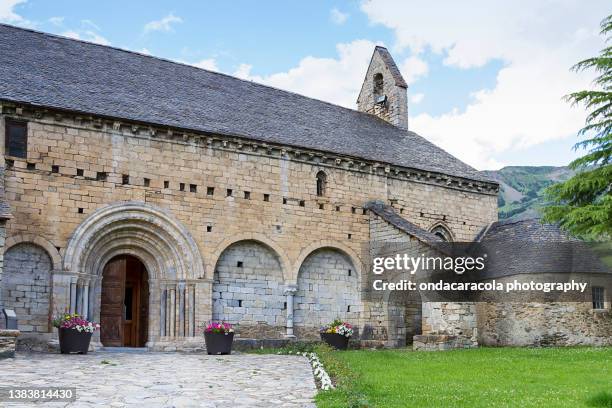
[
  {"x": 8, "y": 343},
  {"x": 248, "y": 291},
  {"x": 543, "y": 324},
  {"x": 410, "y": 317},
  {"x": 272, "y": 197},
  {"x": 390, "y": 100},
  {"x": 27, "y": 286},
  {"x": 327, "y": 289}
]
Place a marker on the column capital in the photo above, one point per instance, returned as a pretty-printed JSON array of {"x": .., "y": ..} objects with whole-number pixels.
[{"x": 290, "y": 289}]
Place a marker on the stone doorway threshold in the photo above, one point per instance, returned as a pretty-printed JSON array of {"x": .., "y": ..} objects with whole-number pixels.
[{"x": 125, "y": 349}]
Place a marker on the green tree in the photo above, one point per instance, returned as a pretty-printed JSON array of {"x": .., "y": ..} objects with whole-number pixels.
[{"x": 583, "y": 204}]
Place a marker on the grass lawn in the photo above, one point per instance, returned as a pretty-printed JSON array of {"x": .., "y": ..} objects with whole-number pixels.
[{"x": 484, "y": 377}]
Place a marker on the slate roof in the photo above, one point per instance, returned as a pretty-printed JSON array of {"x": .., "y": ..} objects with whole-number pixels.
[
  {"x": 387, "y": 213},
  {"x": 528, "y": 247},
  {"x": 529, "y": 230},
  {"x": 50, "y": 71}
]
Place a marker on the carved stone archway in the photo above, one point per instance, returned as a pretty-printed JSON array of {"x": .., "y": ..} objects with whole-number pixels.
[{"x": 179, "y": 295}]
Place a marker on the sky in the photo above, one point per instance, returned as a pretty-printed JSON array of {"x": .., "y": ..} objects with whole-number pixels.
[{"x": 486, "y": 77}]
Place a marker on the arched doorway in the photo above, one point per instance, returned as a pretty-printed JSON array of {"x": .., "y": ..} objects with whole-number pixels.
[
  {"x": 124, "y": 303},
  {"x": 178, "y": 292},
  {"x": 405, "y": 310}
]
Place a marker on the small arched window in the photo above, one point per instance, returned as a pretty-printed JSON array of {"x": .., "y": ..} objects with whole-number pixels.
[
  {"x": 442, "y": 233},
  {"x": 321, "y": 183},
  {"x": 378, "y": 86}
]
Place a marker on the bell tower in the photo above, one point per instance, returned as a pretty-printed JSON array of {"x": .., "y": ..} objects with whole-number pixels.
[{"x": 384, "y": 92}]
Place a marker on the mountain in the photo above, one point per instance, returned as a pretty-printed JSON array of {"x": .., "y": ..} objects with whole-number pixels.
[{"x": 521, "y": 188}]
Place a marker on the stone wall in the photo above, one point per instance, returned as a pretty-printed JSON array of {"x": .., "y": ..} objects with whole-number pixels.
[
  {"x": 272, "y": 194},
  {"x": 327, "y": 289},
  {"x": 2, "y": 242},
  {"x": 451, "y": 319},
  {"x": 8, "y": 341},
  {"x": 248, "y": 291},
  {"x": 219, "y": 189},
  {"x": 405, "y": 314},
  {"x": 387, "y": 320},
  {"x": 410, "y": 318},
  {"x": 26, "y": 286},
  {"x": 543, "y": 324}
]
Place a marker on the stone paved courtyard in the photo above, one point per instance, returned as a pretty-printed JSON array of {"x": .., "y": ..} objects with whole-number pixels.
[{"x": 119, "y": 379}]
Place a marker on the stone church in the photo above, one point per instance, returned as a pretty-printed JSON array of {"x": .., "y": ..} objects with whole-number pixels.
[{"x": 153, "y": 197}]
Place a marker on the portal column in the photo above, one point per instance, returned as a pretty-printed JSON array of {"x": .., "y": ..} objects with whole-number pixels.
[
  {"x": 85, "y": 311},
  {"x": 290, "y": 293},
  {"x": 73, "y": 295}
]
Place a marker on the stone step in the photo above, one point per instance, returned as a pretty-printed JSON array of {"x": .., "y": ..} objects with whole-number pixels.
[{"x": 125, "y": 349}]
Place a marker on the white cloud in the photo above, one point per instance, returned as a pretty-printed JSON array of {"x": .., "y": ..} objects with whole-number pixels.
[
  {"x": 243, "y": 71},
  {"x": 91, "y": 24},
  {"x": 416, "y": 98},
  {"x": 209, "y": 64},
  {"x": 165, "y": 24},
  {"x": 338, "y": 17},
  {"x": 413, "y": 68},
  {"x": 144, "y": 51},
  {"x": 56, "y": 21},
  {"x": 337, "y": 80},
  {"x": 538, "y": 42},
  {"x": 8, "y": 14},
  {"x": 88, "y": 35}
]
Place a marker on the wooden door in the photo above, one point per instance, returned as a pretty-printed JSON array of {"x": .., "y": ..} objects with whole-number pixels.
[
  {"x": 132, "y": 302},
  {"x": 111, "y": 307},
  {"x": 143, "y": 327}
]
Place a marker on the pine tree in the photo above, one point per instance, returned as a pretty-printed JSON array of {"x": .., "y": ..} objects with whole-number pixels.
[{"x": 583, "y": 204}]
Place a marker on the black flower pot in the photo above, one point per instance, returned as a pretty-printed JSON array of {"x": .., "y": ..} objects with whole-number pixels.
[
  {"x": 73, "y": 341},
  {"x": 219, "y": 343},
  {"x": 335, "y": 340}
]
